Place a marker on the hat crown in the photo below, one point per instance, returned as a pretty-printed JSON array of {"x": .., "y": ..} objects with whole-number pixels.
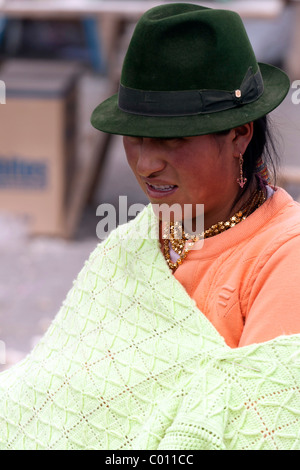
[
  {"x": 188, "y": 47},
  {"x": 189, "y": 71}
]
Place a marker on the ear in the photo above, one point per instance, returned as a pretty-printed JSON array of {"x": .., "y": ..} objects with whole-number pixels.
[{"x": 242, "y": 136}]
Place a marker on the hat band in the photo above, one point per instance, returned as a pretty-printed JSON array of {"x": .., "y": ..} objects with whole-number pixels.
[{"x": 190, "y": 102}]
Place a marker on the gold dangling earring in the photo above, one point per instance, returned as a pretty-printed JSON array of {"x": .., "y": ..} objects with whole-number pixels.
[{"x": 241, "y": 180}]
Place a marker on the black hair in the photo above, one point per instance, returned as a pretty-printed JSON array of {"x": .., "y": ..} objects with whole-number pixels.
[{"x": 263, "y": 145}]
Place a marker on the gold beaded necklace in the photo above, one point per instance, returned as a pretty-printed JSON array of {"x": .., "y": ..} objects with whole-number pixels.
[{"x": 175, "y": 236}]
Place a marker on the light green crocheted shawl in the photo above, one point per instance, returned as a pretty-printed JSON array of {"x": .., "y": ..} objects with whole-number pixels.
[{"x": 131, "y": 363}]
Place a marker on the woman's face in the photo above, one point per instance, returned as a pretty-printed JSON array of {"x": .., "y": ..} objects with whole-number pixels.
[{"x": 192, "y": 170}]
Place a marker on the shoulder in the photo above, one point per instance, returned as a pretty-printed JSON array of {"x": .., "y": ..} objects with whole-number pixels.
[
  {"x": 274, "y": 251},
  {"x": 274, "y": 245},
  {"x": 273, "y": 224},
  {"x": 282, "y": 222}
]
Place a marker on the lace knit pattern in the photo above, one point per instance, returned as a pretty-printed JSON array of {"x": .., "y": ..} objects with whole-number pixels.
[{"x": 130, "y": 363}]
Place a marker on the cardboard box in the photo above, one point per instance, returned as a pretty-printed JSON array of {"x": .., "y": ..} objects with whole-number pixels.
[{"x": 38, "y": 142}]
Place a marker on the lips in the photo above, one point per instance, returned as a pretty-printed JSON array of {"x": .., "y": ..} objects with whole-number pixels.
[
  {"x": 161, "y": 187},
  {"x": 160, "y": 190}
]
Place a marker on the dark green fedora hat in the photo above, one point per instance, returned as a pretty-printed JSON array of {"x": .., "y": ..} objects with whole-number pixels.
[{"x": 189, "y": 70}]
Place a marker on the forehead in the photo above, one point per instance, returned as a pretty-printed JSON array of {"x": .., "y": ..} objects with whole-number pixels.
[{"x": 205, "y": 144}]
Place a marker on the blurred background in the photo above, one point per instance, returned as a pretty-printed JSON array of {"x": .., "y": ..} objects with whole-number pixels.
[{"x": 58, "y": 61}]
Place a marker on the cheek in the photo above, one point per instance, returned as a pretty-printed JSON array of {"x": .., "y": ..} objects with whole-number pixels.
[
  {"x": 201, "y": 179},
  {"x": 193, "y": 171}
]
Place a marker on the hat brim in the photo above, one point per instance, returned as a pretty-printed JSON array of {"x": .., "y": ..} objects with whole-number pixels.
[{"x": 107, "y": 116}]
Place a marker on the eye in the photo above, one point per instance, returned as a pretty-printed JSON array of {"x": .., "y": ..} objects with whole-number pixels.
[
  {"x": 174, "y": 142},
  {"x": 133, "y": 140}
]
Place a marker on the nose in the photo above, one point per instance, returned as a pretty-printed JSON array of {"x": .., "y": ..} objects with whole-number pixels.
[{"x": 150, "y": 158}]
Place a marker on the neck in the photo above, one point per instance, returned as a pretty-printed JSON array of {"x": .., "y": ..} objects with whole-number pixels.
[
  {"x": 234, "y": 205},
  {"x": 231, "y": 207},
  {"x": 180, "y": 241}
]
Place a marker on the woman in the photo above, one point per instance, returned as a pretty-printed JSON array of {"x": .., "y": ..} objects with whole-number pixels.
[
  {"x": 166, "y": 341},
  {"x": 203, "y": 147}
]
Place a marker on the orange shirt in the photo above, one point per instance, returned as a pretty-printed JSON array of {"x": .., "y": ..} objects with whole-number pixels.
[{"x": 247, "y": 279}]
